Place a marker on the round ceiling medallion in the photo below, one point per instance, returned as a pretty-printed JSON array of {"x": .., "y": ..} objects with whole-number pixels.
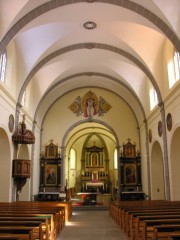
[
  {"x": 169, "y": 121},
  {"x": 89, "y": 25},
  {"x": 160, "y": 128}
]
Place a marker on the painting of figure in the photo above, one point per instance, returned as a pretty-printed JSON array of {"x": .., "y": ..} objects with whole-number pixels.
[
  {"x": 51, "y": 174},
  {"x": 94, "y": 160},
  {"x": 130, "y": 174}
]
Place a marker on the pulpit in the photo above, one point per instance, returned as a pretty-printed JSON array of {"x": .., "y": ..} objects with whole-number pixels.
[{"x": 21, "y": 171}]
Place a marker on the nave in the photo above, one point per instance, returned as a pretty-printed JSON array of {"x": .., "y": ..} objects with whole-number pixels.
[{"x": 91, "y": 224}]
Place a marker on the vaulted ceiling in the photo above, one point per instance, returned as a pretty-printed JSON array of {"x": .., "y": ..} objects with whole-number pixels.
[{"x": 66, "y": 45}]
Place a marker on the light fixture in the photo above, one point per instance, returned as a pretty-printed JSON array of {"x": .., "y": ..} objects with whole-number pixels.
[{"x": 89, "y": 25}]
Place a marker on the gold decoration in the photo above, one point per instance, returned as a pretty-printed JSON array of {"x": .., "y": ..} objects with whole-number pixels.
[{"x": 89, "y": 105}]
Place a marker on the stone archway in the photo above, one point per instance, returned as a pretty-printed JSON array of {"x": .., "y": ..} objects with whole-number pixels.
[
  {"x": 5, "y": 166},
  {"x": 174, "y": 165},
  {"x": 157, "y": 173}
]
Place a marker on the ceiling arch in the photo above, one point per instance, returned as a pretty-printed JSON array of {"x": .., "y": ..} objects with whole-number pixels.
[
  {"x": 91, "y": 124},
  {"x": 58, "y": 84},
  {"x": 126, "y": 48},
  {"x": 74, "y": 47},
  {"x": 90, "y": 46},
  {"x": 50, "y": 5},
  {"x": 87, "y": 134}
]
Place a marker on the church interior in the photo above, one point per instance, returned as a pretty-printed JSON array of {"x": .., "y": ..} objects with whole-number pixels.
[{"x": 89, "y": 101}]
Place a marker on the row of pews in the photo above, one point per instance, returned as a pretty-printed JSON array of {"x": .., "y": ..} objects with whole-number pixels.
[
  {"x": 148, "y": 219},
  {"x": 33, "y": 220}
]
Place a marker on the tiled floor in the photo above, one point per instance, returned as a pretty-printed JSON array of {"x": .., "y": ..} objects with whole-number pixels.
[{"x": 91, "y": 225}]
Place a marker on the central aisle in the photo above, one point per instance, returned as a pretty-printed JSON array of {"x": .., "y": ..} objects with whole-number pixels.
[{"x": 91, "y": 225}]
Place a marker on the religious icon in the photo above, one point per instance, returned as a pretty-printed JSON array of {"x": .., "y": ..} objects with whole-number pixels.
[
  {"x": 51, "y": 174},
  {"x": 90, "y": 105},
  {"x": 94, "y": 159},
  {"x": 130, "y": 174}
]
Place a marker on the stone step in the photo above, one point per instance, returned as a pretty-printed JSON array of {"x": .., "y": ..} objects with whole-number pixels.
[{"x": 89, "y": 208}]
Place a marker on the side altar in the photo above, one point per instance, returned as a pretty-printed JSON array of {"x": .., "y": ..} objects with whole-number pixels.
[
  {"x": 50, "y": 175},
  {"x": 50, "y": 170},
  {"x": 130, "y": 173}
]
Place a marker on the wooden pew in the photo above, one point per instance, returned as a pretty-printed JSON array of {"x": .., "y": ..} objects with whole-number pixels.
[
  {"x": 31, "y": 232},
  {"x": 139, "y": 223},
  {"x": 66, "y": 205},
  {"x": 133, "y": 218},
  {"x": 174, "y": 236},
  {"x": 119, "y": 209},
  {"x": 147, "y": 227},
  {"x": 133, "y": 226},
  {"x": 60, "y": 212},
  {"x": 144, "y": 211},
  {"x": 29, "y": 204},
  {"x": 125, "y": 214},
  {"x": 129, "y": 214},
  {"x": 38, "y": 234},
  {"x": 14, "y": 236},
  {"x": 164, "y": 231},
  {"x": 45, "y": 233},
  {"x": 57, "y": 219}
]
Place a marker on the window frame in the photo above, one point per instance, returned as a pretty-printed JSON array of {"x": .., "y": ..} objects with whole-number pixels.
[
  {"x": 153, "y": 98},
  {"x": 176, "y": 58},
  {"x": 73, "y": 162},
  {"x": 3, "y": 64},
  {"x": 115, "y": 159}
]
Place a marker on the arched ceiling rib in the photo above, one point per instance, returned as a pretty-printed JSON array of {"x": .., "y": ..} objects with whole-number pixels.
[
  {"x": 91, "y": 46},
  {"x": 121, "y": 89},
  {"x": 96, "y": 124},
  {"x": 125, "y": 4},
  {"x": 84, "y": 131},
  {"x": 125, "y": 49}
]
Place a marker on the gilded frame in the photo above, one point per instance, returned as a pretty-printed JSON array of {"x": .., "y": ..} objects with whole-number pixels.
[
  {"x": 51, "y": 151},
  {"x": 129, "y": 150},
  {"x": 94, "y": 159}
]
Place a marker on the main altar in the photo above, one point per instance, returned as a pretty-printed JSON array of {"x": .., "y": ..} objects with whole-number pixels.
[{"x": 95, "y": 171}]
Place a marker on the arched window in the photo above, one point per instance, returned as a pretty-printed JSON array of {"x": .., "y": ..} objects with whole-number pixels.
[
  {"x": 3, "y": 60},
  {"x": 72, "y": 158},
  {"x": 115, "y": 159},
  {"x": 177, "y": 65},
  {"x": 174, "y": 68},
  {"x": 153, "y": 98}
]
